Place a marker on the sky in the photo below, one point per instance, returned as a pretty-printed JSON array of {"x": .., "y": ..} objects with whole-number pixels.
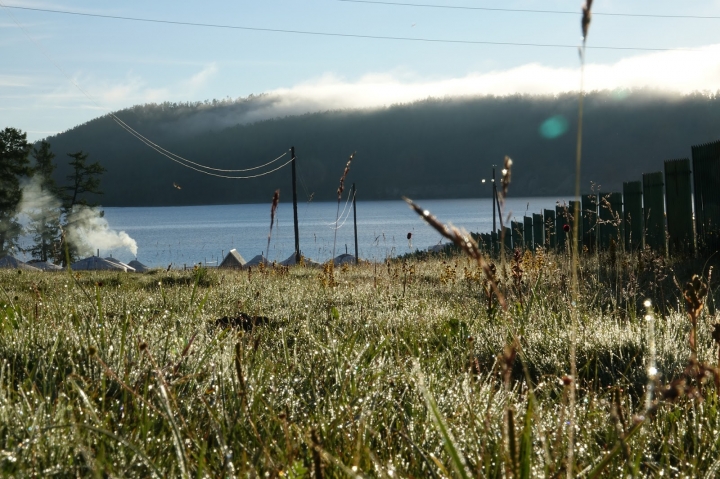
[{"x": 61, "y": 70}]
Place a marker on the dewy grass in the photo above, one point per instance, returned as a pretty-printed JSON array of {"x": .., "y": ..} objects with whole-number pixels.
[{"x": 148, "y": 384}]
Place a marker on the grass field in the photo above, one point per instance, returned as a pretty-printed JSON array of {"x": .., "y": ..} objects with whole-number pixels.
[{"x": 404, "y": 369}]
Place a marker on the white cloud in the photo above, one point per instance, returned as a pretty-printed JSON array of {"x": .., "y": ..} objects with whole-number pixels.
[{"x": 673, "y": 71}]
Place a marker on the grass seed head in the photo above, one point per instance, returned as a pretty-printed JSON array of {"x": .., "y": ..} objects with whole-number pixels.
[{"x": 586, "y": 18}]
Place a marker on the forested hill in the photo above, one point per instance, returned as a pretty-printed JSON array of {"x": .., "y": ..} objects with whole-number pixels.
[{"x": 428, "y": 149}]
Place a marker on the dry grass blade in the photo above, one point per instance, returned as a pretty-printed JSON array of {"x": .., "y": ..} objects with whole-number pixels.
[
  {"x": 275, "y": 201},
  {"x": 341, "y": 188},
  {"x": 464, "y": 241},
  {"x": 586, "y": 18}
]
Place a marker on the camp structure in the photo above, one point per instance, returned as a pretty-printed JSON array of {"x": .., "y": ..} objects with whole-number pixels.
[
  {"x": 95, "y": 263},
  {"x": 11, "y": 262},
  {"x": 344, "y": 258},
  {"x": 45, "y": 265},
  {"x": 256, "y": 261},
  {"x": 306, "y": 261},
  {"x": 127, "y": 267},
  {"x": 139, "y": 267},
  {"x": 233, "y": 260}
]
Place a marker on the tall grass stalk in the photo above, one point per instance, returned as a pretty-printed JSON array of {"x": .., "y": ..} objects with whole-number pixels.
[
  {"x": 340, "y": 190},
  {"x": 575, "y": 311}
]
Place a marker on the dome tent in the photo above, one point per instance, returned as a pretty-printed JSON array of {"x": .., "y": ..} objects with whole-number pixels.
[
  {"x": 127, "y": 267},
  {"x": 138, "y": 266},
  {"x": 95, "y": 263},
  {"x": 11, "y": 262},
  {"x": 233, "y": 260},
  {"x": 45, "y": 265},
  {"x": 290, "y": 261}
]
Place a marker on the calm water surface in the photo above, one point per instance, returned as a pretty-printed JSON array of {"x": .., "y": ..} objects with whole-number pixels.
[{"x": 185, "y": 235}]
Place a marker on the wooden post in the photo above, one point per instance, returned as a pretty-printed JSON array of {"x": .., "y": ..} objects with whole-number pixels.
[
  {"x": 575, "y": 223},
  {"x": 589, "y": 221},
  {"x": 706, "y": 175},
  {"x": 517, "y": 234},
  {"x": 494, "y": 243},
  {"x": 560, "y": 222},
  {"x": 494, "y": 198},
  {"x": 538, "y": 231},
  {"x": 354, "y": 193},
  {"x": 654, "y": 205},
  {"x": 633, "y": 217},
  {"x": 295, "y": 217},
  {"x": 507, "y": 239},
  {"x": 550, "y": 236},
  {"x": 678, "y": 203},
  {"x": 610, "y": 212},
  {"x": 528, "y": 232}
]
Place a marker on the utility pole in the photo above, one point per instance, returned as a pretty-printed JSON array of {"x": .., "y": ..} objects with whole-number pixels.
[
  {"x": 295, "y": 218},
  {"x": 354, "y": 192}
]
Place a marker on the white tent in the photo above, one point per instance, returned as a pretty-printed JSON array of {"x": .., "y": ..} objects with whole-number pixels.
[
  {"x": 139, "y": 267},
  {"x": 233, "y": 260},
  {"x": 11, "y": 262},
  {"x": 45, "y": 265},
  {"x": 95, "y": 263},
  {"x": 306, "y": 261},
  {"x": 256, "y": 261},
  {"x": 127, "y": 267}
]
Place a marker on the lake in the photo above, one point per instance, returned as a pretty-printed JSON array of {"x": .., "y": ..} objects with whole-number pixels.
[{"x": 186, "y": 235}]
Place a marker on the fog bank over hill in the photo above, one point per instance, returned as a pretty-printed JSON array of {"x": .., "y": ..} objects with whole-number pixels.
[{"x": 429, "y": 148}]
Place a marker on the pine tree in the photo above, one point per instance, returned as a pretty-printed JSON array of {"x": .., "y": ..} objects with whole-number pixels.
[
  {"x": 46, "y": 208},
  {"x": 84, "y": 179},
  {"x": 14, "y": 164}
]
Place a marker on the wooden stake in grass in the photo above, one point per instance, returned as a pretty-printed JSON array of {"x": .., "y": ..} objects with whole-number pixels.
[{"x": 275, "y": 201}]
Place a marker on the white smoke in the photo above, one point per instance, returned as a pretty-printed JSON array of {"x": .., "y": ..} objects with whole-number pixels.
[
  {"x": 35, "y": 199},
  {"x": 88, "y": 230}
]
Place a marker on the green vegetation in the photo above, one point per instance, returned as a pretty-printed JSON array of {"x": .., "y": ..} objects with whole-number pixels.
[
  {"x": 31, "y": 190},
  {"x": 14, "y": 166},
  {"x": 403, "y": 369},
  {"x": 437, "y": 148}
]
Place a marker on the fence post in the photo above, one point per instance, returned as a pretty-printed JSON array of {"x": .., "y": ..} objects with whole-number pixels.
[
  {"x": 706, "y": 176},
  {"x": 678, "y": 201},
  {"x": 518, "y": 235},
  {"x": 507, "y": 239},
  {"x": 494, "y": 240},
  {"x": 575, "y": 223},
  {"x": 633, "y": 215},
  {"x": 550, "y": 236},
  {"x": 295, "y": 213},
  {"x": 654, "y": 211},
  {"x": 538, "y": 231},
  {"x": 560, "y": 221},
  {"x": 528, "y": 233},
  {"x": 590, "y": 206}
]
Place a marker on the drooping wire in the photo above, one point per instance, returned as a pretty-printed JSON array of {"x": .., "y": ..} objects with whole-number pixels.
[
  {"x": 168, "y": 154},
  {"x": 347, "y": 215},
  {"x": 151, "y": 145},
  {"x": 346, "y": 35},
  {"x": 334, "y": 223},
  {"x": 527, "y": 10},
  {"x": 145, "y": 139}
]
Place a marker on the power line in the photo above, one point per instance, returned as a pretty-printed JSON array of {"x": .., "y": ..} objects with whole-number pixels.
[
  {"x": 342, "y": 35},
  {"x": 529, "y": 10},
  {"x": 170, "y": 155}
]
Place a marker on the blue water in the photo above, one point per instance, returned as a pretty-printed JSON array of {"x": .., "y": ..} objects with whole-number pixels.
[{"x": 186, "y": 235}]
